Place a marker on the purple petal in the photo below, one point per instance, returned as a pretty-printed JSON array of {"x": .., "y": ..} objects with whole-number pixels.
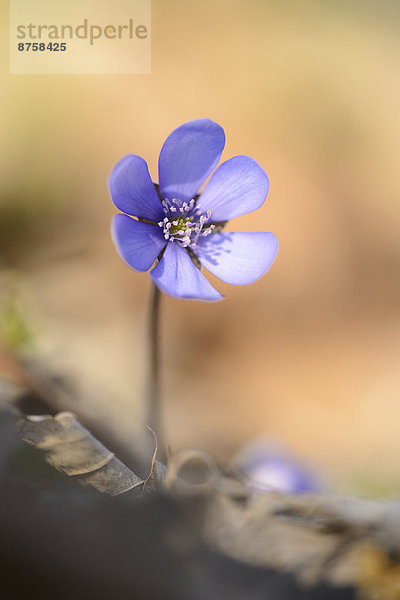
[
  {"x": 188, "y": 156},
  {"x": 237, "y": 187},
  {"x": 138, "y": 243},
  {"x": 132, "y": 190},
  {"x": 265, "y": 467},
  {"x": 237, "y": 258},
  {"x": 177, "y": 276}
]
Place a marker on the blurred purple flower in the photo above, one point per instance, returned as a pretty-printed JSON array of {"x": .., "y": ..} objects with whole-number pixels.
[
  {"x": 264, "y": 467},
  {"x": 172, "y": 223}
]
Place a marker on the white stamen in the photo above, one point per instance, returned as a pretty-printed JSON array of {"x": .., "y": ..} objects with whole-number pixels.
[{"x": 190, "y": 227}]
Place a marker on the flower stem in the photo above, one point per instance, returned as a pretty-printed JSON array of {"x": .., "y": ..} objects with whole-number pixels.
[{"x": 153, "y": 389}]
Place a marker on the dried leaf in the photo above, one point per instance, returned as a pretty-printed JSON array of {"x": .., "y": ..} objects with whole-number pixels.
[
  {"x": 319, "y": 538},
  {"x": 192, "y": 469},
  {"x": 70, "y": 448}
]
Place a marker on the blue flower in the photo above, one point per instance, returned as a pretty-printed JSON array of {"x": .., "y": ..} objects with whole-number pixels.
[
  {"x": 264, "y": 466},
  {"x": 183, "y": 230}
]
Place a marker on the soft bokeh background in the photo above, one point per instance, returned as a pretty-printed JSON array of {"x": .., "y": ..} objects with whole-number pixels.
[{"x": 309, "y": 355}]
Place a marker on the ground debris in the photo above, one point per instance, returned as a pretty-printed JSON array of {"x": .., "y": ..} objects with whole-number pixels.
[{"x": 210, "y": 540}]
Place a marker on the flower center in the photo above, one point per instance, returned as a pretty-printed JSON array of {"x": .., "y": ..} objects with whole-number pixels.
[
  {"x": 184, "y": 222},
  {"x": 180, "y": 224}
]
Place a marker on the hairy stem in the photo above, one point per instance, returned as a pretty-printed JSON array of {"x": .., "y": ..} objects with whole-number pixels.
[{"x": 153, "y": 390}]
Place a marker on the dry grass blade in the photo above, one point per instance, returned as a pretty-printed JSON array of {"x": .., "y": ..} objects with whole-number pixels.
[{"x": 156, "y": 477}]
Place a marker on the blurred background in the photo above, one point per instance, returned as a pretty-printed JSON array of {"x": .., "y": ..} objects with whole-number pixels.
[{"x": 308, "y": 355}]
